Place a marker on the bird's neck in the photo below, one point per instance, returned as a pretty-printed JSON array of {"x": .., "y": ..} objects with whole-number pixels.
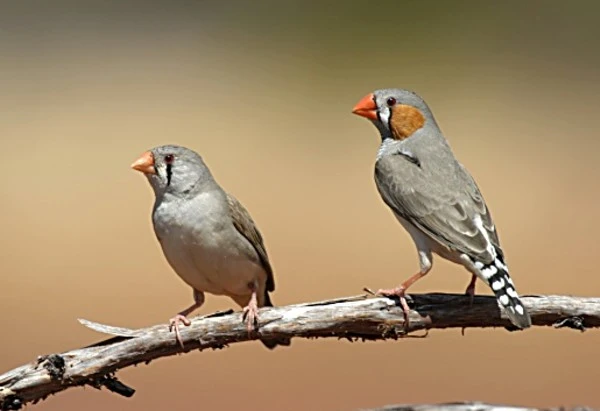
[
  {"x": 387, "y": 145},
  {"x": 184, "y": 188}
]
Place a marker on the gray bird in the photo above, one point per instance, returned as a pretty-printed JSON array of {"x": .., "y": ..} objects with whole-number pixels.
[
  {"x": 206, "y": 235},
  {"x": 435, "y": 198}
]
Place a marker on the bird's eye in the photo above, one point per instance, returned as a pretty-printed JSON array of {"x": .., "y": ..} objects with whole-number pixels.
[
  {"x": 391, "y": 101},
  {"x": 169, "y": 158}
]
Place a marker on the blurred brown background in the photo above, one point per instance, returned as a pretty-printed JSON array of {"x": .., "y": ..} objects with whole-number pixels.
[{"x": 264, "y": 90}]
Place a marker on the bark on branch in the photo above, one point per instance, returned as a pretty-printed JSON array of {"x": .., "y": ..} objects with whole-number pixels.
[{"x": 352, "y": 318}]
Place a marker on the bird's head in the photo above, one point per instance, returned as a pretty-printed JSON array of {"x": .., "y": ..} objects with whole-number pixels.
[
  {"x": 172, "y": 169},
  {"x": 397, "y": 113}
]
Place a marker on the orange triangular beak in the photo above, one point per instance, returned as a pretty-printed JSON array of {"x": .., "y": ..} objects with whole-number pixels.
[
  {"x": 145, "y": 163},
  {"x": 366, "y": 107}
]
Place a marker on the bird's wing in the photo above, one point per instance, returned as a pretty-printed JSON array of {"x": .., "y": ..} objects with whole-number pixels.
[
  {"x": 246, "y": 227},
  {"x": 444, "y": 203}
]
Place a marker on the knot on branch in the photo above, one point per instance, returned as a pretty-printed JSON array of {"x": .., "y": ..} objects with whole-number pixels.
[
  {"x": 54, "y": 364},
  {"x": 9, "y": 400}
]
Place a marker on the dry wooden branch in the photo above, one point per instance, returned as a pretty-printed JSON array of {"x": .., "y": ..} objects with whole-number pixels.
[
  {"x": 469, "y": 406},
  {"x": 353, "y": 318}
]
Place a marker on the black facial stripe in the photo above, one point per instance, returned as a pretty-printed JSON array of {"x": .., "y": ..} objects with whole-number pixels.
[{"x": 169, "y": 173}]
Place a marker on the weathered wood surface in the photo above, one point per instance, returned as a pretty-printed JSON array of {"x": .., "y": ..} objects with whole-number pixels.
[{"x": 353, "y": 318}]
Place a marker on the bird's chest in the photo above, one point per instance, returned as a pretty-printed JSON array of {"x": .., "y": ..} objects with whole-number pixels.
[{"x": 197, "y": 242}]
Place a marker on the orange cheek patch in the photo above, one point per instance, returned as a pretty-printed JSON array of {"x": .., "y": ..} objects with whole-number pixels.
[{"x": 405, "y": 120}]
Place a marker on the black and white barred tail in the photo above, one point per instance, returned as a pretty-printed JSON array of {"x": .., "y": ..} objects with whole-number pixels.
[{"x": 497, "y": 277}]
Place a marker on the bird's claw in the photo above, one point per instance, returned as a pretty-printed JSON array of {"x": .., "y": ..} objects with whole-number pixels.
[
  {"x": 250, "y": 316},
  {"x": 392, "y": 292},
  {"x": 174, "y": 325},
  {"x": 398, "y": 292}
]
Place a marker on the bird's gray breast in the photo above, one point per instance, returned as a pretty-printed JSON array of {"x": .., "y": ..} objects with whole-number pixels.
[{"x": 200, "y": 242}]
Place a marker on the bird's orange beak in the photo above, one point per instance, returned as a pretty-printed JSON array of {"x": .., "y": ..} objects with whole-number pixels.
[
  {"x": 366, "y": 107},
  {"x": 145, "y": 163}
]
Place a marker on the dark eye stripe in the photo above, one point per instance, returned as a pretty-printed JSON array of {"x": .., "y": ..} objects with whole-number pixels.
[{"x": 169, "y": 173}]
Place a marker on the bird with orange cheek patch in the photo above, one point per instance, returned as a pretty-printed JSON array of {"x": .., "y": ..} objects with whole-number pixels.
[{"x": 435, "y": 198}]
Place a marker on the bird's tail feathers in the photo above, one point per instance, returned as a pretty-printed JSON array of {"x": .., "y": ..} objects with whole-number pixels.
[
  {"x": 268, "y": 302},
  {"x": 497, "y": 277}
]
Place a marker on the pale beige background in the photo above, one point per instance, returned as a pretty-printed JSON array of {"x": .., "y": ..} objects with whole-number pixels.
[{"x": 264, "y": 91}]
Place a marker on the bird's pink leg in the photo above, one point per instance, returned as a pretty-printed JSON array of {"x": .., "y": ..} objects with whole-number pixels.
[
  {"x": 470, "y": 291},
  {"x": 182, "y": 316},
  {"x": 400, "y": 293},
  {"x": 251, "y": 313}
]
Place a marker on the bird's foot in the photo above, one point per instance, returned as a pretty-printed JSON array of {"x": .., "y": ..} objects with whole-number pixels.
[
  {"x": 470, "y": 291},
  {"x": 391, "y": 292},
  {"x": 398, "y": 292},
  {"x": 250, "y": 315},
  {"x": 174, "y": 325}
]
